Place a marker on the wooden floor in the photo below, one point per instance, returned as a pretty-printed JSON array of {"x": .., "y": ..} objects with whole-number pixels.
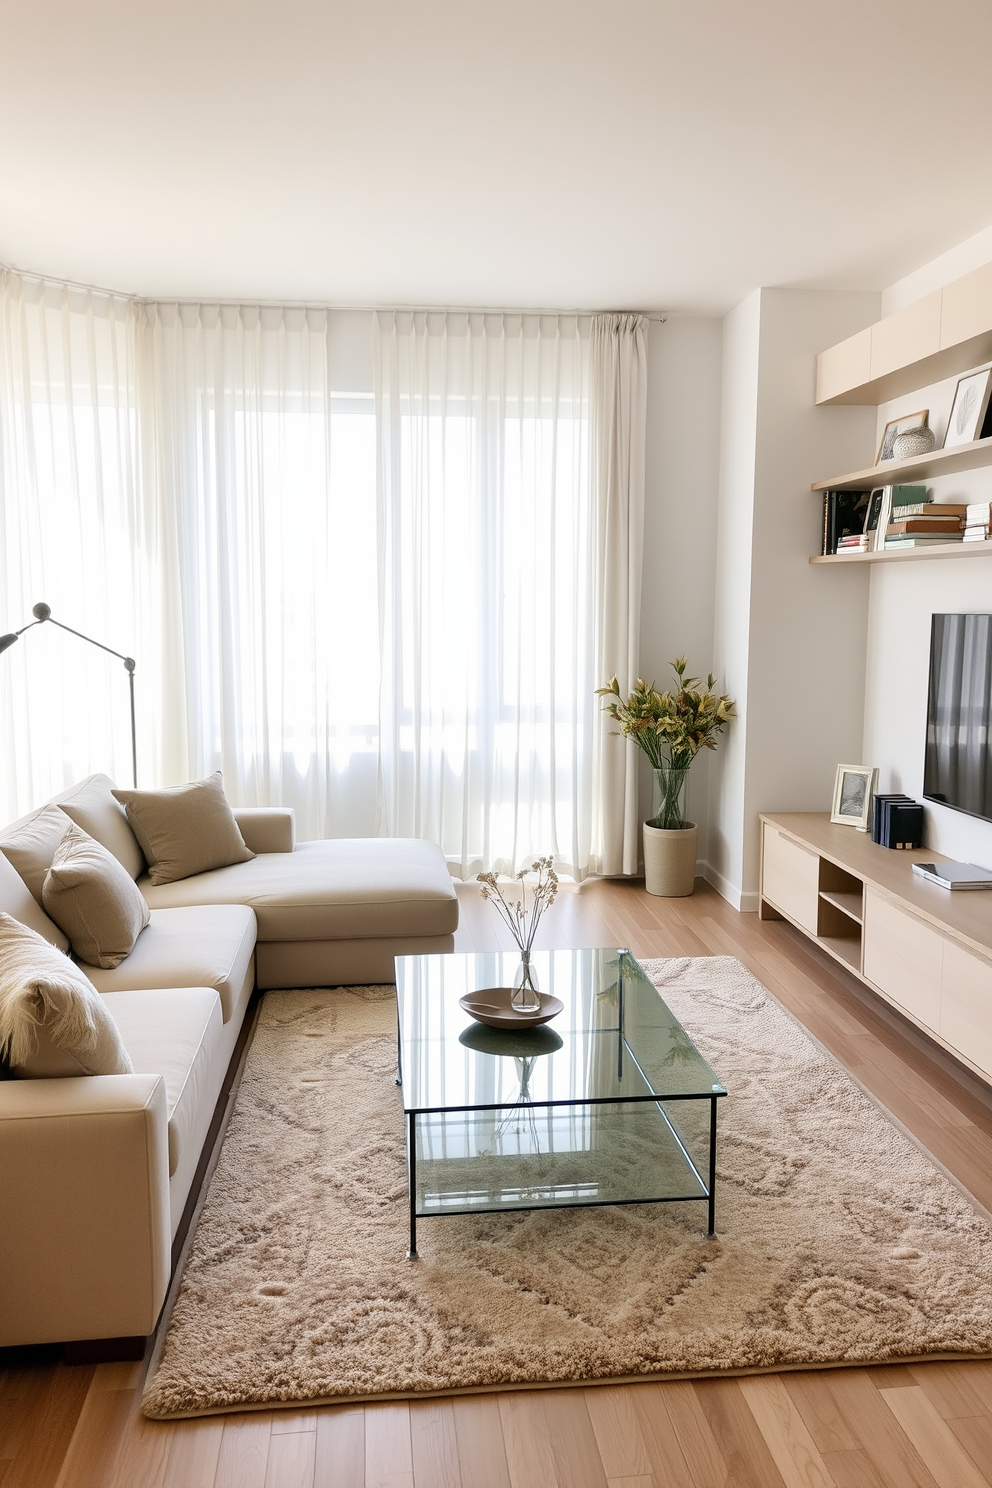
[{"x": 901, "y": 1427}]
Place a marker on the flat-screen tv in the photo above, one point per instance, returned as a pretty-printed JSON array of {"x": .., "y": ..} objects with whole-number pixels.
[{"x": 958, "y": 768}]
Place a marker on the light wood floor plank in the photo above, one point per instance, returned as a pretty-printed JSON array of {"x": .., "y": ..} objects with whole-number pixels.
[
  {"x": 741, "y": 1445},
  {"x": 340, "y": 1449},
  {"x": 693, "y": 1433},
  {"x": 388, "y": 1450},
  {"x": 975, "y": 1435},
  {"x": 289, "y": 1420},
  {"x": 852, "y": 1469},
  {"x": 796, "y": 1454},
  {"x": 435, "y": 1445},
  {"x": 820, "y": 1411},
  {"x": 950, "y": 1390},
  {"x": 529, "y": 1455},
  {"x": 37, "y": 1424},
  {"x": 573, "y": 1441},
  {"x": 145, "y": 1455},
  {"x": 479, "y": 1433},
  {"x": 666, "y": 1460},
  {"x": 193, "y": 1455},
  {"x": 291, "y": 1459},
  {"x": 98, "y": 1440},
  {"x": 880, "y": 1438},
  {"x": 244, "y": 1451},
  {"x": 618, "y": 1432},
  {"x": 935, "y": 1442}
]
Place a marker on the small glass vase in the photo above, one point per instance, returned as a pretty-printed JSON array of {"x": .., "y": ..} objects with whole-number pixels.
[
  {"x": 669, "y": 798},
  {"x": 524, "y": 996}
]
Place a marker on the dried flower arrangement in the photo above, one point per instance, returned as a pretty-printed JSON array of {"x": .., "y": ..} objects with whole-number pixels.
[{"x": 520, "y": 918}]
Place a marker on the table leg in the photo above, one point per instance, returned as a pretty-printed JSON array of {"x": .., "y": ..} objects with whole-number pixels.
[
  {"x": 411, "y": 1164},
  {"x": 712, "y": 1182}
]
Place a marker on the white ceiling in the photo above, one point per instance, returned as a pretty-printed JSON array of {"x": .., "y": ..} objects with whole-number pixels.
[{"x": 573, "y": 153}]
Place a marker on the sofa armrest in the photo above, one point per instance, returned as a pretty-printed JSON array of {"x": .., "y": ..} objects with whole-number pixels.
[
  {"x": 267, "y": 829},
  {"x": 85, "y": 1243}
]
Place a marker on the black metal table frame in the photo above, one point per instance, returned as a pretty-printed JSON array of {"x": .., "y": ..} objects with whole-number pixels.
[{"x": 708, "y": 1196}]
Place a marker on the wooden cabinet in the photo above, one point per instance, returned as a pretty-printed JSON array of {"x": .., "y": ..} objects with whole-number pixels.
[
  {"x": 902, "y": 957},
  {"x": 925, "y": 950}
]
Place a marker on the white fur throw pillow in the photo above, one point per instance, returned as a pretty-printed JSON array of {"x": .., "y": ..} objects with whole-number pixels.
[
  {"x": 94, "y": 900},
  {"x": 53, "y": 1021}
]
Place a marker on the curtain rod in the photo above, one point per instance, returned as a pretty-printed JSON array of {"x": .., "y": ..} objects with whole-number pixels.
[{"x": 658, "y": 317}]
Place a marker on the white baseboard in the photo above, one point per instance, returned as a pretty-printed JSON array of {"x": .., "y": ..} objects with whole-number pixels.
[{"x": 744, "y": 901}]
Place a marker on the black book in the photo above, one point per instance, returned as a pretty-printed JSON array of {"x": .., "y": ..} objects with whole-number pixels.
[
  {"x": 876, "y": 812},
  {"x": 844, "y": 514},
  {"x": 903, "y": 824}
]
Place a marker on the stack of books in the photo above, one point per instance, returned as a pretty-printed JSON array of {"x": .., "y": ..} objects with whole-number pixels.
[
  {"x": 857, "y": 542},
  {"x": 897, "y": 821},
  {"x": 976, "y": 521},
  {"x": 920, "y": 525}
]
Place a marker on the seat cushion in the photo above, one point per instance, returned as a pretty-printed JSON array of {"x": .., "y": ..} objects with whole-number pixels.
[
  {"x": 93, "y": 898},
  {"x": 175, "y": 1033},
  {"x": 342, "y": 888},
  {"x": 91, "y": 805},
  {"x": 190, "y": 947}
]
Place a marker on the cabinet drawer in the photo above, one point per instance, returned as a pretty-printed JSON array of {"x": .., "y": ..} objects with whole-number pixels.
[
  {"x": 903, "y": 957},
  {"x": 790, "y": 878},
  {"x": 966, "y": 1005}
]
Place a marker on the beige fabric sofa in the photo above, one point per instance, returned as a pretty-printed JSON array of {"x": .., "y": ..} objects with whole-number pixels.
[{"x": 96, "y": 1173}]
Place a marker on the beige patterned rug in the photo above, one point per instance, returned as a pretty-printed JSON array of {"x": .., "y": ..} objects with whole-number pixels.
[{"x": 838, "y": 1239}]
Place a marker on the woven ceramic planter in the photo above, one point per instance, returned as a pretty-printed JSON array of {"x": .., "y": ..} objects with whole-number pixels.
[{"x": 670, "y": 861}]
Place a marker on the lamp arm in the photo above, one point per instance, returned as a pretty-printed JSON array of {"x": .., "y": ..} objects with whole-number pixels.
[{"x": 127, "y": 660}]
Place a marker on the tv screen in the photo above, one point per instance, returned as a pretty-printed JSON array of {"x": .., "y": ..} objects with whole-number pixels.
[{"x": 958, "y": 768}]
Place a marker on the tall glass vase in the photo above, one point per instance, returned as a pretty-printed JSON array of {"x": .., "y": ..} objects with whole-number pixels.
[
  {"x": 524, "y": 996},
  {"x": 669, "y": 798}
]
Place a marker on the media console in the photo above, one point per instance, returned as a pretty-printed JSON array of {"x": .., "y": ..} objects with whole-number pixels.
[{"x": 924, "y": 949}]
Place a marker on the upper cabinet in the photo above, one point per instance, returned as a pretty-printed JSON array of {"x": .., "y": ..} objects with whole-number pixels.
[{"x": 946, "y": 332}]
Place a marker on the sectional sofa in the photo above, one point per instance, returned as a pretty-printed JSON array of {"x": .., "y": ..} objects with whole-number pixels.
[{"x": 97, "y": 1171}]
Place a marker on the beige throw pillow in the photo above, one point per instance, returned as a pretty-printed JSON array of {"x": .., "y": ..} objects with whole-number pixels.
[
  {"x": 185, "y": 829},
  {"x": 53, "y": 1021},
  {"x": 94, "y": 900},
  {"x": 31, "y": 845}
]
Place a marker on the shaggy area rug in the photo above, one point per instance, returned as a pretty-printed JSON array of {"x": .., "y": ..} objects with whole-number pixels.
[{"x": 838, "y": 1239}]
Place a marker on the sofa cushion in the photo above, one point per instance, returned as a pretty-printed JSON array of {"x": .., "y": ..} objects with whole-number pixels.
[
  {"x": 30, "y": 844},
  {"x": 53, "y": 1023},
  {"x": 175, "y": 1033},
  {"x": 17, "y": 899},
  {"x": 91, "y": 805},
  {"x": 93, "y": 898},
  {"x": 341, "y": 888},
  {"x": 184, "y": 829},
  {"x": 199, "y": 946}
]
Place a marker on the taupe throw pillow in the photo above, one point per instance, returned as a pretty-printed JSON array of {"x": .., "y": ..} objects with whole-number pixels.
[
  {"x": 53, "y": 1021},
  {"x": 94, "y": 899},
  {"x": 185, "y": 829},
  {"x": 31, "y": 845}
]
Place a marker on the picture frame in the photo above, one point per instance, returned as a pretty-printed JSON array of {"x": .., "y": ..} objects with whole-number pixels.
[
  {"x": 971, "y": 399},
  {"x": 899, "y": 426},
  {"x": 853, "y": 791}
]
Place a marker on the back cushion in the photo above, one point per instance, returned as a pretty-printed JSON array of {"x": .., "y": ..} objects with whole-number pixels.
[
  {"x": 17, "y": 900},
  {"x": 91, "y": 806},
  {"x": 185, "y": 829},
  {"x": 31, "y": 845}
]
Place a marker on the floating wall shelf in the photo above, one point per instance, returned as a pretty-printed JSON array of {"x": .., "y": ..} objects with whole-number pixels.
[
  {"x": 903, "y": 555},
  {"x": 923, "y": 467}
]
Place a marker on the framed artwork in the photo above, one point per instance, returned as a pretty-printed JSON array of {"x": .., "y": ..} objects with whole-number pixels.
[
  {"x": 899, "y": 426},
  {"x": 971, "y": 399},
  {"x": 853, "y": 790}
]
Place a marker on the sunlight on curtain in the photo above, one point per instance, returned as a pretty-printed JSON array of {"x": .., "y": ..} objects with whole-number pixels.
[
  {"x": 264, "y": 518},
  {"x": 70, "y": 534},
  {"x": 491, "y": 587}
]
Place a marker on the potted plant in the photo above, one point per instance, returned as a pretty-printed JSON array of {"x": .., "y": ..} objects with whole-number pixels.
[{"x": 671, "y": 728}]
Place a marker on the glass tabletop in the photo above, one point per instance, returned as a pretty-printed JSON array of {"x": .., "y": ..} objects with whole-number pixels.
[{"x": 615, "y": 1040}]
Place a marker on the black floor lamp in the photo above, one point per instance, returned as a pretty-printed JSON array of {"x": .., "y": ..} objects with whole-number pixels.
[{"x": 41, "y": 613}]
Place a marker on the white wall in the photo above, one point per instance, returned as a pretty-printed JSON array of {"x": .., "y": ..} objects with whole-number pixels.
[
  {"x": 790, "y": 637},
  {"x": 682, "y": 459}
]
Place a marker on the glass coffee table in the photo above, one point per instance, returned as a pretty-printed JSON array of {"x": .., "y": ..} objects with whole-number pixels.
[{"x": 609, "y": 1103}]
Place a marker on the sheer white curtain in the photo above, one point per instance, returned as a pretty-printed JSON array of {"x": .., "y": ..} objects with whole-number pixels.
[
  {"x": 261, "y": 494},
  {"x": 510, "y": 497},
  {"x": 71, "y": 534}
]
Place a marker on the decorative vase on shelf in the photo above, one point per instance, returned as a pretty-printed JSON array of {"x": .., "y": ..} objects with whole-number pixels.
[
  {"x": 912, "y": 443},
  {"x": 525, "y": 996}
]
